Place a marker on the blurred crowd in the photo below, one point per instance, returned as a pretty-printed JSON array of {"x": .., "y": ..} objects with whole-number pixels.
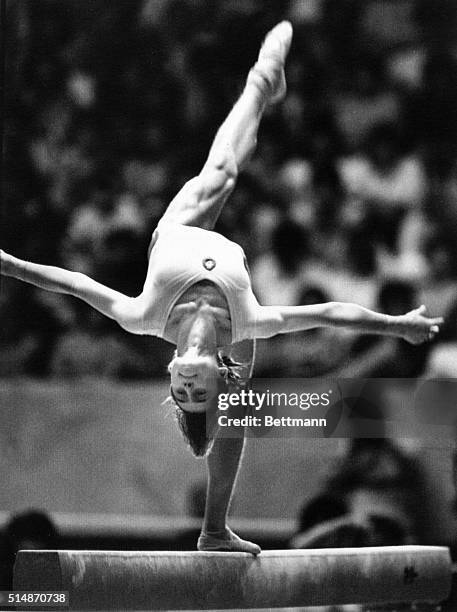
[{"x": 351, "y": 196}]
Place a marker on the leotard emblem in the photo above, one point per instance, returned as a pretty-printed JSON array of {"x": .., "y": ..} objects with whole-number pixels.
[{"x": 209, "y": 263}]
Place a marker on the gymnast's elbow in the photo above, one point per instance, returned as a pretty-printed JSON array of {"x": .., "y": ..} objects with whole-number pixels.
[
  {"x": 270, "y": 322},
  {"x": 340, "y": 314},
  {"x": 75, "y": 284}
]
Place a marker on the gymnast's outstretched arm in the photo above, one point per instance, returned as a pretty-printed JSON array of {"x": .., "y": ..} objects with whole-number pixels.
[
  {"x": 413, "y": 326},
  {"x": 115, "y": 305}
]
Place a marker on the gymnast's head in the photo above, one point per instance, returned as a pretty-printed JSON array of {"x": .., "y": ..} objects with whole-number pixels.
[{"x": 196, "y": 380}]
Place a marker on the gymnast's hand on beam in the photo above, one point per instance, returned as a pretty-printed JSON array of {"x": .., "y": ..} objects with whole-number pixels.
[
  {"x": 225, "y": 542},
  {"x": 417, "y": 328}
]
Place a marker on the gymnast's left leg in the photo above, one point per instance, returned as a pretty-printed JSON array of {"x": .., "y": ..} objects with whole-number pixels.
[
  {"x": 223, "y": 463},
  {"x": 201, "y": 200}
]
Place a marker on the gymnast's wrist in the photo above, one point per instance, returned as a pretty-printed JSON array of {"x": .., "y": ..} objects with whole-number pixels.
[
  {"x": 12, "y": 266},
  {"x": 397, "y": 325},
  {"x": 6, "y": 264}
]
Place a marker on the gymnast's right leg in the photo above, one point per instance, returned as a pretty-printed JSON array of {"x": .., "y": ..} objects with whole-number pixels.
[
  {"x": 223, "y": 464},
  {"x": 201, "y": 200}
]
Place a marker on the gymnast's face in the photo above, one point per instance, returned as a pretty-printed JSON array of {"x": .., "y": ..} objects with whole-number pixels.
[{"x": 195, "y": 381}]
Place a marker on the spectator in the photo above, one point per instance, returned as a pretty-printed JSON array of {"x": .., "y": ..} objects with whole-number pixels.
[
  {"x": 277, "y": 275},
  {"x": 32, "y": 529},
  {"x": 371, "y": 500},
  {"x": 387, "y": 182},
  {"x": 365, "y": 102},
  {"x": 439, "y": 289}
]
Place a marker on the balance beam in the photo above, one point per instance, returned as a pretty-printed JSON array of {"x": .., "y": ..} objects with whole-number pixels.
[{"x": 108, "y": 580}]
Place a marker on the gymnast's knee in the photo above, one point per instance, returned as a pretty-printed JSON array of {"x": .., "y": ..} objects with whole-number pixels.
[{"x": 226, "y": 169}]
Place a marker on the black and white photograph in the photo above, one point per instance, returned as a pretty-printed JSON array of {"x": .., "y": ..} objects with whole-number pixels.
[{"x": 228, "y": 305}]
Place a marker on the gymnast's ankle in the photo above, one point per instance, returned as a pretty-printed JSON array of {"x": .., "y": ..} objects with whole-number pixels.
[{"x": 216, "y": 533}]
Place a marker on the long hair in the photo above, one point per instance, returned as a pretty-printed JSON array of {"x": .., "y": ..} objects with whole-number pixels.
[
  {"x": 195, "y": 429},
  {"x": 199, "y": 428}
]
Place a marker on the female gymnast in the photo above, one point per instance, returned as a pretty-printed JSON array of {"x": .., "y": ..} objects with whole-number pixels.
[{"x": 197, "y": 293}]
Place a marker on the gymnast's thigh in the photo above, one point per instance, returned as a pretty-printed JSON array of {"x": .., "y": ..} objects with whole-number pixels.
[{"x": 200, "y": 201}]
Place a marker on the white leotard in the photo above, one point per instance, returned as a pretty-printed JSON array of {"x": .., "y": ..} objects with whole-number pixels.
[{"x": 182, "y": 256}]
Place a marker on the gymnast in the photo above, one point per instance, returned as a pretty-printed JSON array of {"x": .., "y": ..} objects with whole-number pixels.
[{"x": 198, "y": 296}]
